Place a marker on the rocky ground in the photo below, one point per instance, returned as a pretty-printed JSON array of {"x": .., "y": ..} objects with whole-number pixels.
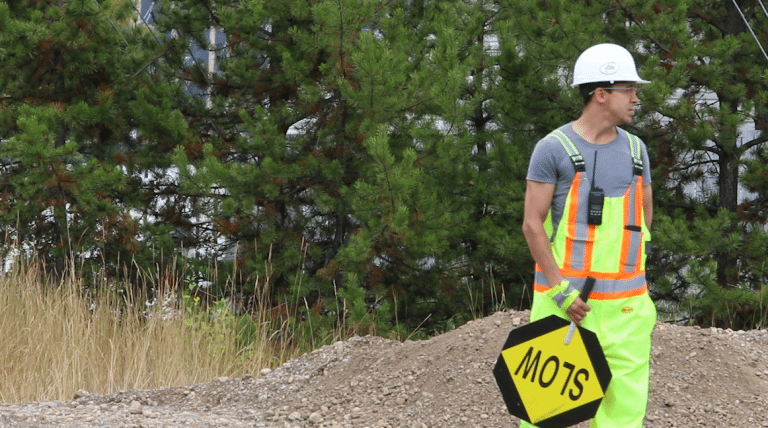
[{"x": 700, "y": 378}]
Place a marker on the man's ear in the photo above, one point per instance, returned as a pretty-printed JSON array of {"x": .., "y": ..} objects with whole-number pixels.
[{"x": 600, "y": 95}]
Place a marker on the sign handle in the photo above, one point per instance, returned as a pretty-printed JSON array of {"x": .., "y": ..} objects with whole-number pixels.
[{"x": 588, "y": 284}]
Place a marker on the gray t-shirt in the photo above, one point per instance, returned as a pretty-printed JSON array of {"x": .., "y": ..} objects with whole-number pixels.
[{"x": 550, "y": 163}]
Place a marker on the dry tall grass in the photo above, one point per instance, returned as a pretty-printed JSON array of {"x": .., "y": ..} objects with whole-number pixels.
[{"x": 55, "y": 342}]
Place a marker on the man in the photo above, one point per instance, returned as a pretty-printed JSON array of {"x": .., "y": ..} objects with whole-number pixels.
[{"x": 587, "y": 214}]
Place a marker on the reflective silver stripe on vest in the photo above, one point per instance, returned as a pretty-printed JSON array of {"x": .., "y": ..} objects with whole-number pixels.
[
  {"x": 631, "y": 212},
  {"x": 635, "y": 243},
  {"x": 579, "y": 244},
  {"x": 601, "y": 285},
  {"x": 635, "y": 236}
]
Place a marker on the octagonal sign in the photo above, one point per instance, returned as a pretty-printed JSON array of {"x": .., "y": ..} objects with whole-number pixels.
[{"x": 547, "y": 382}]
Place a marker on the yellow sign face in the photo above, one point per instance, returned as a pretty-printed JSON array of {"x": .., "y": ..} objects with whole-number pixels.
[{"x": 551, "y": 377}]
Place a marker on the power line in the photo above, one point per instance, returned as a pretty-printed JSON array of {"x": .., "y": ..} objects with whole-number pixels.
[
  {"x": 111, "y": 22},
  {"x": 750, "y": 27},
  {"x": 763, "y": 7}
]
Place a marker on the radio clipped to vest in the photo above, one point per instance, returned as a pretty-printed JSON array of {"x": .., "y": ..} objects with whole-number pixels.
[
  {"x": 595, "y": 201},
  {"x": 595, "y": 209}
]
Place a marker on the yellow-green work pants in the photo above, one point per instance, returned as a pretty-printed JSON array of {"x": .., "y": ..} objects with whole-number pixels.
[{"x": 624, "y": 328}]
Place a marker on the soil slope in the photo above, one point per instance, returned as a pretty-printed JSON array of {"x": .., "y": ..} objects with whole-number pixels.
[{"x": 700, "y": 378}]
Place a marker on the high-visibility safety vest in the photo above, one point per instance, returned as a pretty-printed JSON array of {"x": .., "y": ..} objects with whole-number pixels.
[{"x": 614, "y": 252}]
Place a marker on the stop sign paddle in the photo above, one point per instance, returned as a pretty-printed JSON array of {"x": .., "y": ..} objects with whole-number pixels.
[{"x": 553, "y": 374}]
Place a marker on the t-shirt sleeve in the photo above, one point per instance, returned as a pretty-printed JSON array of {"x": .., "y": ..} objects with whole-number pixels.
[
  {"x": 646, "y": 164},
  {"x": 543, "y": 165}
]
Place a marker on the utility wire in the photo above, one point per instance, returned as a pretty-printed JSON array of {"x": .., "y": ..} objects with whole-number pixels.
[
  {"x": 111, "y": 22},
  {"x": 763, "y": 7},
  {"x": 750, "y": 28}
]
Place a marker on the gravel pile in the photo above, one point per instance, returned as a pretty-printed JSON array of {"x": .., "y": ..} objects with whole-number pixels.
[{"x": 700, "y": 378}]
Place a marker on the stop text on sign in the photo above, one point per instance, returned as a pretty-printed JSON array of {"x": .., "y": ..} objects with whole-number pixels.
[{"x": 546, "y": 373}]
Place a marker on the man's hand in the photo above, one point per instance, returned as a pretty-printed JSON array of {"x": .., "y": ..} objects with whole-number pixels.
[{"x": 578, "y": 311}]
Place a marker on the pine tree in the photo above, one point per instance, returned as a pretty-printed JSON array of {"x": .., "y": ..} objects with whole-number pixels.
[
  {"x": 719, "y": 97},
  {"x": 83, "y": 123},
  {"x": 296, "y": 95},
  {"x": 353, "y": 148},
  {"x": 477, "y": 163}
]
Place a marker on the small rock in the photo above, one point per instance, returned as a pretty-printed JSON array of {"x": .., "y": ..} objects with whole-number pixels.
[
  {"x": 315, "y": 418},
  {"x": 81, "y": 393},
  {"x": 135, "y": 408}
]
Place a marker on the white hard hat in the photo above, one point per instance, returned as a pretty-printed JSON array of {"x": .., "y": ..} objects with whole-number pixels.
[{"x": 605, "y": 62}]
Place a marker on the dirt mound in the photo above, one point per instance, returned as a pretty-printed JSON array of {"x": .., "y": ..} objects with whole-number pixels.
[{"x": 700, "y": 377}]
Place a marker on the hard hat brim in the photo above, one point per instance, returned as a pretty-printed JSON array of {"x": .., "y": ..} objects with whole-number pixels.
[{"x": 639, "y": 81}]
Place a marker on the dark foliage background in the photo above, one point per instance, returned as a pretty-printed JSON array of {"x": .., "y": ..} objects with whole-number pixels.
[{"x": 361, "y": 164}]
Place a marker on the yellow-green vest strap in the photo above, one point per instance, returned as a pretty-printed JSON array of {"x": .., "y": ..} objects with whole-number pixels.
[
  {"x": 570, "y": 148},
  {"x": 637, "y": 155}
]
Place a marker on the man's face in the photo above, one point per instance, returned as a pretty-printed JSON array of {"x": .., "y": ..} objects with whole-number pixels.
[{"x": 622, "y": 98}]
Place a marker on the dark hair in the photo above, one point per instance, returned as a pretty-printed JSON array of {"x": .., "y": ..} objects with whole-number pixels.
[{"x": 588, "y": 89}]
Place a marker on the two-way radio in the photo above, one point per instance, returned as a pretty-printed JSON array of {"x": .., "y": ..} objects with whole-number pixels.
[{"x": 595, "y": 200}]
